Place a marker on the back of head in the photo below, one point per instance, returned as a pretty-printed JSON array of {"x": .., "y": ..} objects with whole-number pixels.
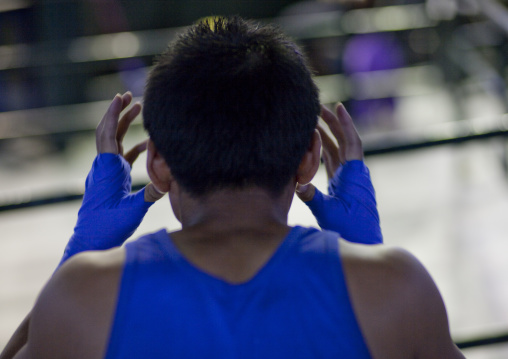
[{"x": 231, "y": 104}]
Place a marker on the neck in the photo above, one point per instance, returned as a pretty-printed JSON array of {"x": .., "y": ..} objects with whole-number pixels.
[
  {"x": 231, "y": 234},
  {"x": 228, "y": 210}
]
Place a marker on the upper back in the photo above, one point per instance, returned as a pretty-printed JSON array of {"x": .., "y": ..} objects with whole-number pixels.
[{"x": 296, "y": 306}]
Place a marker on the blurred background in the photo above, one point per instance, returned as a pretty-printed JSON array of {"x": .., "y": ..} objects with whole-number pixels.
[{"x": 424, "y": 80}]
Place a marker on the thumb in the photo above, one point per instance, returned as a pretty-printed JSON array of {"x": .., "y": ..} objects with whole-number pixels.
[
  {"x": 152, "y": 193},
  {"x": 305, "y": 191}
]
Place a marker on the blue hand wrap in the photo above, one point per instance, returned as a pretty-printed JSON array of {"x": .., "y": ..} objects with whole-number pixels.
[
  {"x": 351, "y": 208},
  {"x": 109, "y": 214}
]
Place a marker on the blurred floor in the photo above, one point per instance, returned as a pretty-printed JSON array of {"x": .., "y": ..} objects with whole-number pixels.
[{"x": 446, "y": 205}]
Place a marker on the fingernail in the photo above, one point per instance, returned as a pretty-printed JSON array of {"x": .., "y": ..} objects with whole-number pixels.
[{"x": 301, "y": 188}]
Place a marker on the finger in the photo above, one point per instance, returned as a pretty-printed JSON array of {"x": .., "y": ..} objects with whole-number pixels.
[
  {"x": 335, "y": 127},
  {"x": 326, "y": 141},
  {"x": 354, "y": 148},
  {"x": 134, "y": 152},
  {"x": 126, "y": 99},
  {"x": 305, "y": 192},
  {"x": 125, "y": 122},
  {"x": 105, "y": 134},
  {"x": 330, "y": 169},
  {"x": 331, "y": 154},
  {"x": 152, "y": 193}
]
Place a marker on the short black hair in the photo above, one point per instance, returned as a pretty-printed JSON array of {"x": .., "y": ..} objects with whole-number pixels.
[{"x": 231, "y": 104}]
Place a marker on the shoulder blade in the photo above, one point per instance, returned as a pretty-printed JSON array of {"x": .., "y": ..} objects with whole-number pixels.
[
  {"x": 74, "y": 312},
  {"x": 398, "y": 306}
]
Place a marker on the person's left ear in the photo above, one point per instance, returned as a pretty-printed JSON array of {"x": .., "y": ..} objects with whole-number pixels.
[
  {"x": 310, "y": 162},
  {"x": 157, "y": 168}
]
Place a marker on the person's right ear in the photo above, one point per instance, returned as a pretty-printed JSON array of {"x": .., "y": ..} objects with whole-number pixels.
[{"x": 157, "y": 168}]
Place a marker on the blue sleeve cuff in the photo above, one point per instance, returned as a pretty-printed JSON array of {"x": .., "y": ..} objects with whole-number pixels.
[
  {"x": 109, "y": 213},
  {"x": 351, "y": 208}
]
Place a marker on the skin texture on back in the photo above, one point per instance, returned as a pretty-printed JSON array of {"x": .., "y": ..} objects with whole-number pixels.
[
  {"x": 397, "y": 304},
  {"x": 73, "y": 314}
]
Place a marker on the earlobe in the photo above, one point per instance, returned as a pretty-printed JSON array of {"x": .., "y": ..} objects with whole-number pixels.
[
  {"x": 157, "y": 168},
  {"x": 310, "y": 161}
]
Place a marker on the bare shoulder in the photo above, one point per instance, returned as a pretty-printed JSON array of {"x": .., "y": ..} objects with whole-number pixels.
[
  {"x": 73, "y": 314},
  {"x": 396, "y": 302}
]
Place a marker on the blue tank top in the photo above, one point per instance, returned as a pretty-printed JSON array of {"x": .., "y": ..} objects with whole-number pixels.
[{"x": 296, "y": 306}]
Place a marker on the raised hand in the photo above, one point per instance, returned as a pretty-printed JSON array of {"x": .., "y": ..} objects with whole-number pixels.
[
  {"x": 350, "y": 208},
  {"x": 110, "y": 133},
  {"x": 110, "y": 213},
  {"x": 350, "y": 145}
]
